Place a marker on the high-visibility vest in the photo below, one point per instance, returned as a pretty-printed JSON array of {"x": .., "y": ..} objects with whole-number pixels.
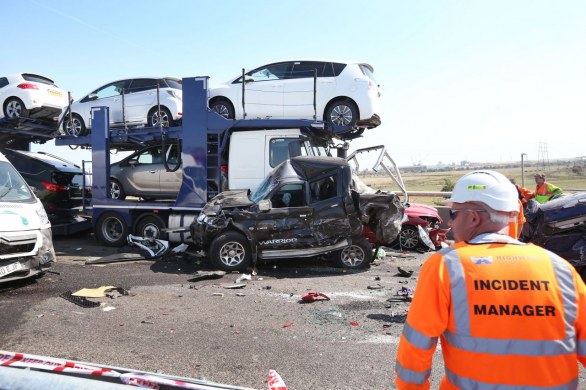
[
  {"x": 508, "y": 314},
  {"x": 516, "y": 224},
  {"x": 544, "y": 192}
]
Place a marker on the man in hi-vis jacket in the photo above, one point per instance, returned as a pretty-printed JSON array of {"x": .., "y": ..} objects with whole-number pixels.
[{"x": 509, "y": 315}]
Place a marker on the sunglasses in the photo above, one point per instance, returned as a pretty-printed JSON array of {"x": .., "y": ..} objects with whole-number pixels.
[{"x": 453, "y": 213}]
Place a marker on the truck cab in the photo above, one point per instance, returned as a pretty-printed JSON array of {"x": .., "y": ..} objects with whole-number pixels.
[{"x": 306, "y": 206}]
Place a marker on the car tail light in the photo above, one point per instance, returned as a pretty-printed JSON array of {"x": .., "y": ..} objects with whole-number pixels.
[
  {"x": 53, "y": 187},
  {"x": 27, "y": 86}
]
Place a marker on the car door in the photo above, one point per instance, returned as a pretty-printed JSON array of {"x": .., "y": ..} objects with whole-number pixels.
[
  {"x": 110, "y": 95},
  {"x": 299, "y": 89},
  {"x": 287, "y": 224},
  {"x": 170, "y": 182},
  {"x": 263, "y": 91},
  {"x": 142, "y": 174},
  {"x": 329, "y": 220},
  {"x": 140, "y": 96}
]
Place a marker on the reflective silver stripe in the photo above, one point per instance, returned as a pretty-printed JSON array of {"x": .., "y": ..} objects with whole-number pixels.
[
  {"x": 582, "y": 348},
  {"x": 471, "y": 384},
  {"x": 411, "y": 376},
  {"x": 417, "y": 338},
  {"x": 459, "y": 292},
  {"x": 511, "y": 346},
  {"x": 563, "y": 275}
]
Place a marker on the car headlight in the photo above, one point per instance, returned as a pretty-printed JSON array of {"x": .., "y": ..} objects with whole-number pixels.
[{"x": 43, "y": 218}]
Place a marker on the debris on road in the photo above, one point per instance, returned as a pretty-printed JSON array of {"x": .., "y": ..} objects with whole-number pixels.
[
  {"x": 243, "y": 277},
  {"x": 79, "y": 301},
  {"x": 313, "y": 296},
  {"x": 115, "y": 258},
  {"x": 375, "y": 287},
  {"x": 404, "y": 273},
  {"x": 354, "y": 323},
  {"x": 234, "y": 286},
  {"x": 406, "y": 293},
  {"x": 288, "y": 324},
  {"x": 217, "y": 295},
  {"x": 205, "y": 275}
]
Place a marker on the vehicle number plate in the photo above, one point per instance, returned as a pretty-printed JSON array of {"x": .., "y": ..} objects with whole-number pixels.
[
  {"x": 10, "y": 268},
  {"x": 54, "y": 93}
]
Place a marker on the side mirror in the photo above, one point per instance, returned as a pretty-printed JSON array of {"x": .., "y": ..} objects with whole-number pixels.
[
  {"x": 248, "y": 79},
  {"x": 133, "y": 163},
  {"x": 92, "y": 96},
  {"x": 34, "y": 189},
  {"x": 264, "y": 205}
]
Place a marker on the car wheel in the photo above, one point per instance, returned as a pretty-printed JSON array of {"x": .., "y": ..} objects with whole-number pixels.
[
  {"x": 111, "y": 229},
  {"x": 151, "y": 226},
  {"x": 409, "y": 237},
  {"x": 342, "y": 113},
  {"x": 154, "y": 120},
  {"x": 14, "y": 108},
  {"x": 357, "y": 255},
  {"x": 75, "y": 126},
  {"x": 116, "y": 190},
  {"x": 224, "y": 108},
  {"x": 230, "y": 251}
]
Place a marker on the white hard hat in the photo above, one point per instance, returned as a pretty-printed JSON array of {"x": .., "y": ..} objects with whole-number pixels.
[{"x": 488, "y": 187}]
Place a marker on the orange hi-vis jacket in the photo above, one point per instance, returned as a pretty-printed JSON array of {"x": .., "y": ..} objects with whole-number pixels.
[
  {"x": 544, "y": 192},
  {"x": 516, "y": 224},
  {"x": 509, "y": 316}
]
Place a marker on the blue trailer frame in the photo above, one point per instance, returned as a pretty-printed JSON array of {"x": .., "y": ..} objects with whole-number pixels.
[{"x": 203, "y": 136}]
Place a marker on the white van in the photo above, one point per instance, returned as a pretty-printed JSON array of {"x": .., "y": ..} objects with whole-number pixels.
[{"x": 26, "y": 245}]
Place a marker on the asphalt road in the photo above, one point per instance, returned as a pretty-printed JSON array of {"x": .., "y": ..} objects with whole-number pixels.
[{"x": 174, "y": 325}]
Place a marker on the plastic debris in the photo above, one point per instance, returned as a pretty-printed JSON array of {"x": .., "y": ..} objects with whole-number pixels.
[
  {"x": 406, "y": 293},
  {"x": 234, "y": 286},
  {"x": 313, "y": 296},
  {"x": 79, "y": 301},
  {"x": 243, "y": 277},
  {"x": 404, "y": 273},
  {"x": 108, "y": 308},
  {"x": 354, "y": 323},
  {"x": 375, "y": 287},
  {"x": 180, "y": 248},
  {"x": 287, "y": 325},
  {"x": 275, "y": 381},
  {"x": 203, "y": 275},
  {"x": 380, "y": 253}
]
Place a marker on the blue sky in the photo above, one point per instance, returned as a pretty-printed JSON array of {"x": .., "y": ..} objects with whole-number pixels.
[{"x": 461, "y": 80}]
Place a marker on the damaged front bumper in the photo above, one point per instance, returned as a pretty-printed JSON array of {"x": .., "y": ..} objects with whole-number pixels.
[{"x": 25, "y": 254}]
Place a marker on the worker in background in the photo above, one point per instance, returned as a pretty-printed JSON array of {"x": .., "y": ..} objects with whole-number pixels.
[
  {"x": 544, "y": 191},
  {"x": 524, "y": 193},
  {"x": 509, "y": 314}
]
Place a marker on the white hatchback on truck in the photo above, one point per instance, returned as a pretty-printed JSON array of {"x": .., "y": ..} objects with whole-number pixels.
[
  {"x": 26, "y": 244},
  {"x": 30, "y": 95}
]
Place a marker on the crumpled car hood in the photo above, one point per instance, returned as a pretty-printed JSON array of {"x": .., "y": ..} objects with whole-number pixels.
[{"x": 227, "y": 199}]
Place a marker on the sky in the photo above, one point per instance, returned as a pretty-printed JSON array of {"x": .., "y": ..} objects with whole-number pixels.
[{"x": 483, "y": 81}]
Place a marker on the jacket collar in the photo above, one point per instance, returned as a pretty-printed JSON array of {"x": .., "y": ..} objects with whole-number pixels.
[{"x": 488, "y": 238}]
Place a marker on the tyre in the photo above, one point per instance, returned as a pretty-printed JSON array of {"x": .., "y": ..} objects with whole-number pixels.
[
  {"x": 224, "y": 108},
  {"x": 75, "y": 126},
  {"x": 153, "y": 117},
  {"x": 151, "y": 226},
  {"x": 14, "y": 108},
  {"x": 111, "y": 229},
  {"x": 343, "y": 113},
  {"x": 409, "y": 237},
  {"x": 357, "y": 255},
  {"x": 230, "y": 251},
  {"x": 116, "y": 190}
]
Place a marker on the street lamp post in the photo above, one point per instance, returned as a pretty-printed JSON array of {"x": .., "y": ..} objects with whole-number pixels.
[{"x": 523, "y": 169}]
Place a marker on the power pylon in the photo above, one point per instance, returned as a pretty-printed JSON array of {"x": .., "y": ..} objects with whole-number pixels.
[{"x": 542, "y": 157}]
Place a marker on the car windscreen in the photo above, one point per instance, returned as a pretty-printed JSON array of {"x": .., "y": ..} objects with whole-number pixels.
[
  {"x": 266, "y": 186},
  {"x": 37, "y": 79},
  {"x": 12, "y": 186},
  {"x": 172, "y": 83},
  {"x": 368, "y": 73}
]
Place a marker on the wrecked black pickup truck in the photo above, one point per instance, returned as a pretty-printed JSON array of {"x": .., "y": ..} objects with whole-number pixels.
[
  {"x": 559, "y": 226},
  {"x": 306, "y": 206}
]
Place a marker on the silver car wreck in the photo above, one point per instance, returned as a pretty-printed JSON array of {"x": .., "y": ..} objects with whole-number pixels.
[{"x": 306, "y": 206}]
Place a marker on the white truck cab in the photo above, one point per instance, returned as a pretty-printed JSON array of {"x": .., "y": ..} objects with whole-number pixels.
[
  {"x": 26, "y": 245},
  {"x": 253, "y": 154}
]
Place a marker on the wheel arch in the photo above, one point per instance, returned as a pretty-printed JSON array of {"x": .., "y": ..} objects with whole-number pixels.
[{"x": 340, "y": 99}]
